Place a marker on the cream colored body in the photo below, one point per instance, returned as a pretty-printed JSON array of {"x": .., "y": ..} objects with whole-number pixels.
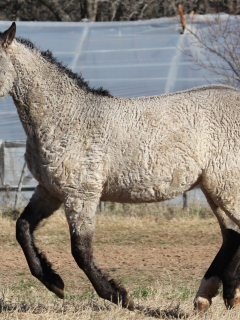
[
  {"x": 140, "y": 150},
  {"x": 128, "y": 150},
  {"x": 83, "y": 147}
]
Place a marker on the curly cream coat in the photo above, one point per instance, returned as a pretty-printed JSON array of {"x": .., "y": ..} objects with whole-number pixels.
[{"x": 84, "y": 145}]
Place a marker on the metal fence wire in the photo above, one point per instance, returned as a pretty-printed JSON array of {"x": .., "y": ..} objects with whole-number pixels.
[{"x": 15, "y": 178}]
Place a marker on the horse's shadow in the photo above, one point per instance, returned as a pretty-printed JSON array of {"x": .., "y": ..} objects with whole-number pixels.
[
  {"x": 171, "y": 312},
  {"x": 9, "y": 307}
]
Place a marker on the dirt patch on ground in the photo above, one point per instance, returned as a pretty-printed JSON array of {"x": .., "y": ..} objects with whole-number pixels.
[
  {"x": 135, "y": 251},
  {"x": 119, "y": 261}
]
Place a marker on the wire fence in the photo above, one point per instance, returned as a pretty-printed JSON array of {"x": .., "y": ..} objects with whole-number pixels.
[{"x": 16, "y": 181}]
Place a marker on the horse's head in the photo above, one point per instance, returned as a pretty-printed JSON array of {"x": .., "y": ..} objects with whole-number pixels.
[{"x": 7, "y": 72}]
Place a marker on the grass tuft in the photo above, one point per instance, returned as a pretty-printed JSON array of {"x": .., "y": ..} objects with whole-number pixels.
[{"x": 143, "y": 292}]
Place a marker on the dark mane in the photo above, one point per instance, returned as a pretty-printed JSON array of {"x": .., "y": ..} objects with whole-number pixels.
[{"x": 63, "y": 68}]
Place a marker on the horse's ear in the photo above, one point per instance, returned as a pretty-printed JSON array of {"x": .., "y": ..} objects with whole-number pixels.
[{"x": 8, "y": 36}]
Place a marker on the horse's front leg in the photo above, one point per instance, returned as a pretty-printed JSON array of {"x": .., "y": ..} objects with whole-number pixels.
[
  {"x": 81, "y": 218},
  {"x": 41, "y": 206}
]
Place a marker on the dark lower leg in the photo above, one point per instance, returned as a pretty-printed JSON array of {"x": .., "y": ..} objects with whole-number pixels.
[
  {"x": 107, "y": 289},
  {"x": 40, "y": 206},
  {"x": 223, "y": 269},
  {"x": 81, "y": 219},
  {"x": 218, "y": 271},
  {"x": 231, "y": 281}
]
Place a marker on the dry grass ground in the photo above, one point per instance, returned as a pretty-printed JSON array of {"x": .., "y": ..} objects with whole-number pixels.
[{"x": 158, "y": 252}]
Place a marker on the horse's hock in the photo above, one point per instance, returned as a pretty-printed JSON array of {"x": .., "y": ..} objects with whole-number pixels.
[{"x": 84, "y": 145}]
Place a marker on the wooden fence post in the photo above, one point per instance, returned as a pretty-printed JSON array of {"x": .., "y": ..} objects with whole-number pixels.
[
  {"x": 20, "y": 184},
  {"x": 182, "y": 17},
  {"x": 185, "y": 201},
  {"x": 2, "y": 162},
  {"x": 101, "y": 205}
]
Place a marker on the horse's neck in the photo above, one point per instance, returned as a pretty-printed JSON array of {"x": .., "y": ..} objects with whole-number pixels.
[{"x": 42, "y": 93}]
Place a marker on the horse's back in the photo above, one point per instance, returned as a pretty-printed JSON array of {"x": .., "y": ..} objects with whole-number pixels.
[{"x": 168, "y": 141}]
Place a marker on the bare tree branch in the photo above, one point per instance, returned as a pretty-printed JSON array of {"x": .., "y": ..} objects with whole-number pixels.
[
  {"x": 56, "y": 8},
  {"x": 220, "y": 40},
  {"x": 115, "y": 6},
  {"x": 107, "y": 10},
  {"x": 91, "y": 9}
]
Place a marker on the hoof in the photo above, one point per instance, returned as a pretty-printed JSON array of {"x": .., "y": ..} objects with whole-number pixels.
[
  {"x": 128, "y": 303},
  {"x": 232, "y": 303},
  {"x": 201, "y": 304},
  {"x": 58, "y": 292}
]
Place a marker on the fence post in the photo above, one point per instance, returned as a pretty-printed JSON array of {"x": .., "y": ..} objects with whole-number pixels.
[
  {"x": 2, "y": 162},
  {"x": 182, "y": 17},
  {"x": 20, "y": 184},
  {"x": 185, "y": 201},
  {"x": 101, "y": 205}
]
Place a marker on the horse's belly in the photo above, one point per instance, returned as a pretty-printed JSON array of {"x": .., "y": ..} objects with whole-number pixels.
[
  {"x": 139, "y": 195},
  {"x": 150, "y": 188}
]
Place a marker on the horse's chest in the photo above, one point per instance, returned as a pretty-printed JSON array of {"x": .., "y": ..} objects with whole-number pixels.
[
  {"x": 76, "y": 171},
  {"x": 36, "y": 166}
]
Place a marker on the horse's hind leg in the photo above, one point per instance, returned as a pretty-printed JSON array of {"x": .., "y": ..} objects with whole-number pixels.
[
  {"x": 81, "y": 218},
  {"x": 225, "y": 267},
  {"x": 41, "y": 206},
  {"x": 231, "y": 277}
]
